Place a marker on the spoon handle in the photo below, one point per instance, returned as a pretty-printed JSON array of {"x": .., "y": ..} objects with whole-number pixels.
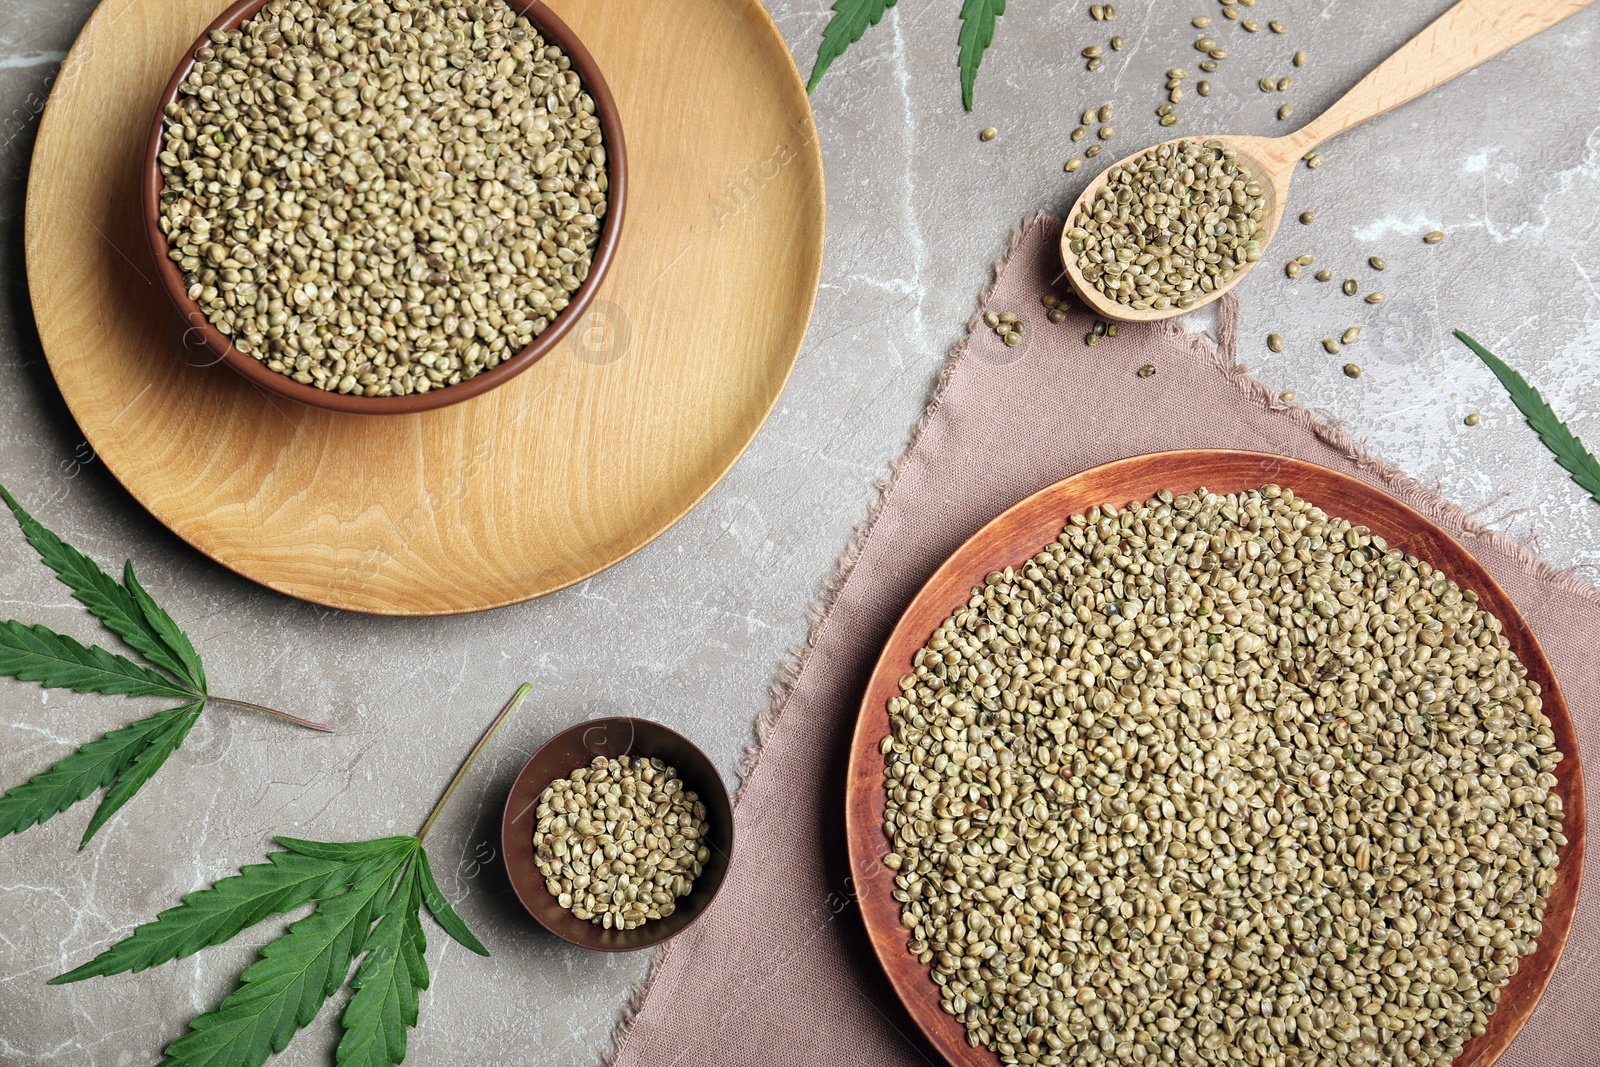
[{"x": 1463, "y": 37}]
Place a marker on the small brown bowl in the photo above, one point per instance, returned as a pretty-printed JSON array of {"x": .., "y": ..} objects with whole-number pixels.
[
  {"x": 220, "y": 346},
  {"x": 574, "y": 748}
]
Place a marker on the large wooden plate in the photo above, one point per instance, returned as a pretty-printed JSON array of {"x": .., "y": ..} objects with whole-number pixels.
[
  {"x": 1020, "y": 533},
  {"x": 577, "y": 463}
]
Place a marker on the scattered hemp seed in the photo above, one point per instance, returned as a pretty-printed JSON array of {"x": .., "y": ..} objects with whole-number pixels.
[
  {"x": 1092, "y": 151},
  {"x": 1090, "y": 117},
  {"x": 1300, "y": 58},
  {"x": 1313, "y": 159},
  {"x": 1110, "y": 329},
  {"x": 1205, "y": 44},
  {"x": 1250, "y": 25},
  {"x": 1007, "y": 326},
  {"x": 1276, "y": 26},
  {"x": 382, "y": 227},
  {"x": 1072, "y": 164},
  {"x": 1268, "y": 85},
  {"x": 1079, "y": 133},
  {"x": 1306, "y": 260},
  {"x": 1097, "y": 12},
  {"x": 1376, "y": 298},
  {"x": 1177, "y": 72},
  {"x": 1057, "y": 315},
  {"x": 1350, "y": 336},
  {"x": 620, "y": 840},
  {"x": 1106, "y": 111},
  {"x": 1285, "y": 111},
  {"x": 1050, "y": 300},
  {"x": 1352, "y": 370},
  {"x": 1200, "y": 22},
  {"x": 989, "y": 133},
  {"x": 1377, "y": 263},
  {"x": 1351, "y": 286},
  {"x": 1219, "y": 53},
  {"x": 1284, "y": 83},
  {"x": 1209, "y": 66},
  {"x": 1094, "y": 51},
  {"x": 1324, "y": 275},
  {"x": 1107, "y": 132},
  {"x": 1292, "y": 268},
  {"x": 1274, "y": 343},
  {"x": 1148, "y": 370},
  {"x": 1202, "y": 87},
  {"x": 1433, "y": 238},
  {"x": 1308, "y": 217},
  {"x": 1152, "y": 237},
  {"x": 1230, "y": 12},
  {"x": 1091, "y": 338},
  {"x": 1169, "y": 119},
  {"x": 1286, "y": 397},
  {"x": 1330, "y": 346},
  {"x": 1116, "y": 42},
  {"x": 1472, "y": 419}
]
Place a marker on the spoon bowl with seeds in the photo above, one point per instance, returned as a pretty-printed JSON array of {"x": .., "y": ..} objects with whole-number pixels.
[{"x": 1174, "y": 226}]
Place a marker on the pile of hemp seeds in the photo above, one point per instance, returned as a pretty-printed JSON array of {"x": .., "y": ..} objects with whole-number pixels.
[
  {"x": 382, "y": 197},
  {"x": 1221, "y": 778}
]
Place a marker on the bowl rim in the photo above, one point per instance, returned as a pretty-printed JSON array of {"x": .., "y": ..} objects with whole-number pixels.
[
  {"x": 528, "y": 884},
  {"x": 866, "y": 843},
  {"x": 219, "y": 346}
]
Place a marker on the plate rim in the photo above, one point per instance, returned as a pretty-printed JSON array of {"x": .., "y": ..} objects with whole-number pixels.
[{"x": 865, "y": 798}]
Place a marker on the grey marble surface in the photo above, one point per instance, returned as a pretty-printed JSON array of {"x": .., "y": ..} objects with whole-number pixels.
[{"x": 691, "y": 630}]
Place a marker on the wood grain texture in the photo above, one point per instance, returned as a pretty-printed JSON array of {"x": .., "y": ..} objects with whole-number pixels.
[
  {"x": 572, "y": 466},
  {"x": 1017, "y": 535},
  {"x": 1468, "y": 34}
]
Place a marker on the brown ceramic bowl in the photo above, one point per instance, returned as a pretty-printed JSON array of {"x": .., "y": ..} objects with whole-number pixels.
[
  {"x": 1016, "y": 535},
  {"x": 222, "y": 348},
  {"x": 574, "y": 748}
]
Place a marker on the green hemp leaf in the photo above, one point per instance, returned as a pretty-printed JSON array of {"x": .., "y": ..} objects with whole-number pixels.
[
  {"x": 123, "y": 760},
  {"x": 1569, "y": 452},
  {"x": 977, "y": 34},
  {"x": 851, "y": 18},
  {"x": 367, "y": 897}
]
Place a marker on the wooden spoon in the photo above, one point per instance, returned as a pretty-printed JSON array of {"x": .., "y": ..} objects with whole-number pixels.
[{"x": 1463, "y": 37}]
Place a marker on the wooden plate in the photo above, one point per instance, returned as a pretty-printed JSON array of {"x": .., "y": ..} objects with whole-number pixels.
[
  {"x": 575, "y": 464},
  {"x": 1020, "y": 533}
]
